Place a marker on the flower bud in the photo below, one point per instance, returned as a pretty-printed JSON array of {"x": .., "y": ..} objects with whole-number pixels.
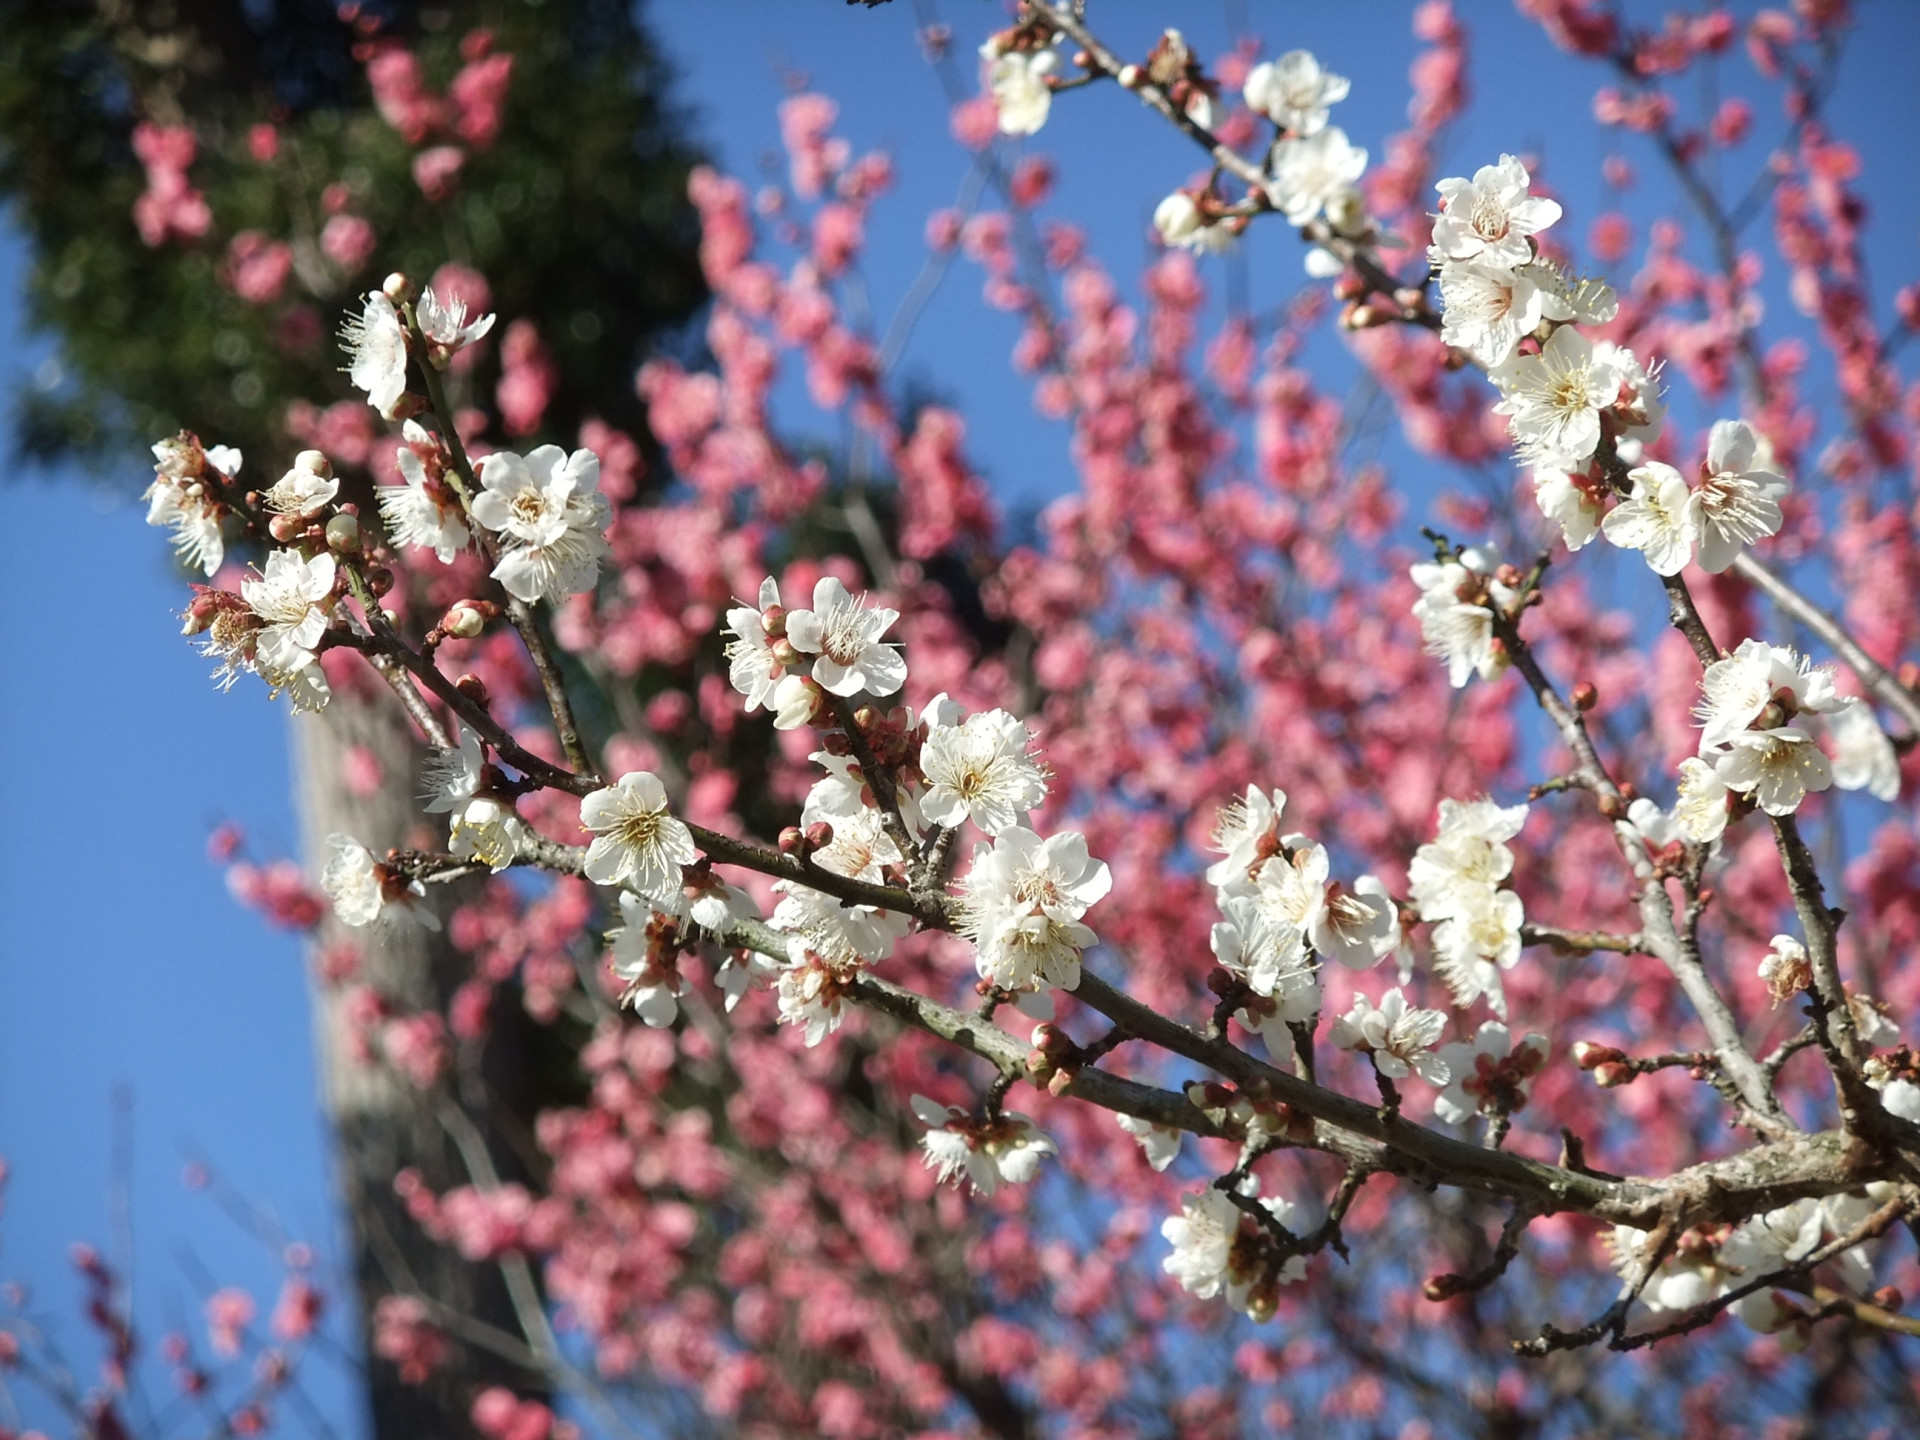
[
  {"x": 818, "y": 836},
  {"x": 473, "y": 687},
  {"x": 379, "y": 580},
  {"x": 343, "y": 534},
  {"x": 867, "y": 717},
  {"x": 397, "y": 288},
  {"x": 284, "y": 527},
  {"x": 1612, "y": 806},
  {"x": 792, "y": 841},
  {"x": 314, "y": 462},
  {"x": 1586, "y": 695},
  {"x": 773, "y": 620},
  {"x": 785, "y": 654},
  {"x": 1612, "y": 1077},
  {"x": 1130, "y": 76},
  {"x": 463, "y": 620},
  {"x": 1587, "y": 1055}
]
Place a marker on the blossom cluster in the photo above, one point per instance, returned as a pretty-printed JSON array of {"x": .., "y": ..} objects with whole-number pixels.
[
  {"x": 1576, "y": 407},
  {"x": 1312, "y": 171},
  {"x": 1762, "y": 712},
  {"x": 1708, "y": 1263},
  {"x": 1458, "y": 880}
]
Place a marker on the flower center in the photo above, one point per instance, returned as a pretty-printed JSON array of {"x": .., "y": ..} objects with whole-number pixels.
[
  {"x": 639, "y": 828},
  {"x": 1569, "y": 393},
  {"x": 529, "y": 507},
  {"x": 1037, "y": 887},
  {"x": 1488, "y": 217}
]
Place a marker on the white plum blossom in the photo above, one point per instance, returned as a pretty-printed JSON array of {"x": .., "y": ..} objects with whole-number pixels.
[
  {"x": 1786, "y": 968},
  {"x": 1179, "y": 221},
  {"x": 1862, "y": 756},
  {"x": 453, "y": 776},
  {"x": 1359, "y": 926},
  {"x": 1762, "y": 1244},
  {"x": 1208, "y": 1258},
  {"x": 1490, "y": 1074},
  {"x": 844, "y": 633},
  {"x": 1294, "y": 91},
  {"x": 987, "y": 1153},
  {"x": 486, "y": 829},
  {"x": 293, "y": 598},
  {"x": 653, "y": 984},
  {"x": 1660, "y": 519},
  {"x": 1314, "y": 173},
  {"x": 445, "y": 323},
  {"x": 179, "y": 497},
  {"x": 365, "y": 892},
  {"x": 739, "y": 971},
  {"x": 793, "y": 702},
  {"x": 811, "y": 988},
  {"x": 1778, "y": 767},
  {"x": 422, "y": 512},
  {"x": 1398, "y": 1037},
  {"x": 1568, "y": 297},
  {"x": 1491, "y": 216},
  {"x": 861, "y": 848},
  {"x": 305, "y": 490},
  {"x": 1553, "y": 400},
  {"x": 1900, "y": 1096},
  {"x": 713, "y": 904},
  {"x": 1291, "y": 889},
  {"x": 1022, "y": 905},
  {"x": 839, "y": 794},
  {"x": 637, "y": 841},
  {"x": 1638, "y": 411},
  {"x": 1654, "y": 825},
  {"x": 1298, "y": 906},
  {"x": 1246, "y": 835},
  {"x": 981, "y": 770},
  {"x": 1575, "y": 507},
  {"x": 1737, "y": 689},
  {"x": 1161, "y": 1145},
  {"x": 1700, "y": 809},
  {"x": 352, "y": 883},
  {"x": 1477, "y": 940},
  {"x": 1017, "y": 80},
  {"x": 1268, "y": 953},
  {"x": 1458, "y": 631},
  {"x": 1690, "y": 1276},
  {"x": 1739, "y": 499},
  {"x": 1487, "y": 309},
  {"x": 1202, "y": 1236},
  {"x": 830, "y": 926},
  {"x": 751, "y": 666},
  {"x": 1467, "y": 854},
  {"x": 547, "y": 507},
  {"x": 376, "y": 344}
]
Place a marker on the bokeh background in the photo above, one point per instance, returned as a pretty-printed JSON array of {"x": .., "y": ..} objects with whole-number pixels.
[{"x": 157, "y": 1088}]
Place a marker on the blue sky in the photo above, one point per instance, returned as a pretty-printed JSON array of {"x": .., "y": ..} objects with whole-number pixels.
[{"x": 122, "y": 961}]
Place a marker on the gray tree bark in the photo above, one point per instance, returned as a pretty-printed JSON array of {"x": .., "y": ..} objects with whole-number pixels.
[{"x": 381, "y": 1122}]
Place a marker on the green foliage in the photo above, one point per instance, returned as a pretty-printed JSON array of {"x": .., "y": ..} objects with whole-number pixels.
[{"x": 576, "y": 213}]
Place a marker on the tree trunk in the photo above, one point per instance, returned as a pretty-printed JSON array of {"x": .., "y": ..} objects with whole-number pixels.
[{"x": 381, "y": 1122}]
